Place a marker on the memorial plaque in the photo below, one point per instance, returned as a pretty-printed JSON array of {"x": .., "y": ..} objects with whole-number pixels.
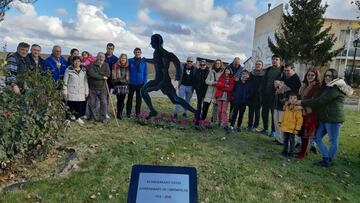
[{"x": 162, "y": 184}]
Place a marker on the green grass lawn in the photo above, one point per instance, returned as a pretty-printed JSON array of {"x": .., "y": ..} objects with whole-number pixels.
[{"x": 236, "y": 167}]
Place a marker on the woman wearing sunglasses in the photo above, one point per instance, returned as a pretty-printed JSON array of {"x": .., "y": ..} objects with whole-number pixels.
[{"x": 329, "y": 106}]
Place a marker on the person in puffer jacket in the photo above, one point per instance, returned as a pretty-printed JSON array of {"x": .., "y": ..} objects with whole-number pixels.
[
  {"x": 76, "y": 89},
  {"x": 223, "y": 95},
  {"x": 87, "y": 59},
  {"x": 330, "y": 111}
]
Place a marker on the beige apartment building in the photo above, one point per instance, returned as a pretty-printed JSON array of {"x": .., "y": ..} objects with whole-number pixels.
[{"x": 269, "y": 23}]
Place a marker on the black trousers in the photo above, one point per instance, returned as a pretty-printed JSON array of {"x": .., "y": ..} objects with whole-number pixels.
[
  {"x": 268, "y": 107},
  {"x": 238, "y": 109},
  {"x": 205, "y": 110},
  {"x": 289, "y": 137},
  {"x": 132, "y": 90},
  {"x": 254, "y": 112},
  {"x": 120, "y": 104},
  {"x": 200, "y": 104},
  {"x": 76, "y": 108}
]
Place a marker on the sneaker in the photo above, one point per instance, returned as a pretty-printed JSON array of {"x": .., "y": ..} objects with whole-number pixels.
[
  {"x": 313, "y": 149},
  {"x": 254, "y": 130},
  {"x": 265, "y": 132},
  {"x": 278, "y": 142},
  {"x": 107, "y": 116},
  {"x": 72, "y": 118},
  {"x": 273, "y": 134},
  {"x": 80, "y": 122},
  {"x": 238, "y": 129},
  {"x": 84, "y": 117},
  {"x": 151, "y": 114},
  {"x": 323, "y": 163},
  {"x": 228, "y": 129}
]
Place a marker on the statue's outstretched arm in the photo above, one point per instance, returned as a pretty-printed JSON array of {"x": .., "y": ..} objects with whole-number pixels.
[{"x": 147, "y": 60}]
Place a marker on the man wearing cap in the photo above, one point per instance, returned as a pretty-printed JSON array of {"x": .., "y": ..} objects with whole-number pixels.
[{"x": 185, "y": 86}]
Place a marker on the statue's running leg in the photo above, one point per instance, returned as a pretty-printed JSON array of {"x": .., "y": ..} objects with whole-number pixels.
[
  {"x": 171, "y": 93},
  {"x": 149, "y": 87}
]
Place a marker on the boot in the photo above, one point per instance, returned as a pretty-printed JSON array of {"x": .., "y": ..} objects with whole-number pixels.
[{"x": 304, "y": 145}]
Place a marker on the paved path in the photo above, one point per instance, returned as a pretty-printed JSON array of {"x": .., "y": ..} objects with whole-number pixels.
[{"x": 351, "y": 107}]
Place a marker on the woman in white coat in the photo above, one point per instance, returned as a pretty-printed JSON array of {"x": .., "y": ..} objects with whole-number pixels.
[
  {"x": 76, "y": 89},
  {"x": 214, "y": 74}
]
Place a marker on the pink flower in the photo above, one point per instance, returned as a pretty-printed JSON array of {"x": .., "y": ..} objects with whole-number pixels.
[
  {"x": 162, "y": 115},
  {"x": 180, "y": 122},
  {"x": 171, "y": 118},
  {"x": 7, "y": 114},
  {"x": 143, "y": 115}
]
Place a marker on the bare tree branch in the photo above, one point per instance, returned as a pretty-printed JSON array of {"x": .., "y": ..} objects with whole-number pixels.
[{"x": 5, "y": 6}]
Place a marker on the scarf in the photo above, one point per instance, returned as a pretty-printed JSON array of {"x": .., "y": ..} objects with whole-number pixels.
[
  {"x": 116, "y": 71},
  {"x": 258, "y": 73}
]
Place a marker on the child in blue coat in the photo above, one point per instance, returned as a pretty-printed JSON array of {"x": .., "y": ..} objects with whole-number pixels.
[{"x": 241, "y": 96}]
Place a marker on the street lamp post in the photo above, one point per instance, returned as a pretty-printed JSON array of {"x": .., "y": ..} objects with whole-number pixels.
[{"x": 356, "y": 44}]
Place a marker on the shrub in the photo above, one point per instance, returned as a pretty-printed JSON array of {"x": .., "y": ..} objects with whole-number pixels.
[{"x": 30, "y": 122}]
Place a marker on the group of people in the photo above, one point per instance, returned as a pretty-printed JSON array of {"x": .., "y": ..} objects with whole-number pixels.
[
  {"x": 308, "y": 108},
  {"x": 87, "y": 80}
]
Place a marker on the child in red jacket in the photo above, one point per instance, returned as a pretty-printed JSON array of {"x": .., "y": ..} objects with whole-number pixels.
[{"x": 223, "y": 95}]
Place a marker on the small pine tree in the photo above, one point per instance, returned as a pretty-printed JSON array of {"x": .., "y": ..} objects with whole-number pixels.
[{"x": 301, "y": 38}]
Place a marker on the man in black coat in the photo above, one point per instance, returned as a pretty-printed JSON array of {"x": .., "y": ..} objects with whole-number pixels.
[
  {"x": 36, "y": 62},
  {"x": 256, "y": 77},
  {"x": 199, "y": 85}
]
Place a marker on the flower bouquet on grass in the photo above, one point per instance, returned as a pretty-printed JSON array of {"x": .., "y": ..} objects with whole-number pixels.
[{"x": 163, "y": 120}]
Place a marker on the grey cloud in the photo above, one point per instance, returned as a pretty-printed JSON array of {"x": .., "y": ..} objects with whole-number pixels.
[{"x": 172, "y": 28}]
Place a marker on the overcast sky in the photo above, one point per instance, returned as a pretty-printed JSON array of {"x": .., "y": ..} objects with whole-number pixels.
[{"x": 206, "y": 28}]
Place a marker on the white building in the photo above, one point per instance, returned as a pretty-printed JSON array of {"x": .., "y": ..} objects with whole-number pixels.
[{"x": 269, "y": 23}]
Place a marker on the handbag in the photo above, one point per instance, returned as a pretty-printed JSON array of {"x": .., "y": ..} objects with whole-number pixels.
[{"x": 120, "y": 90}]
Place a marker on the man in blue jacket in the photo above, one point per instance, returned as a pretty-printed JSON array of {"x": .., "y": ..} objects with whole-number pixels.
[
  {"x": 138, "y": 77},
  {"x": 55, "y": 64}
]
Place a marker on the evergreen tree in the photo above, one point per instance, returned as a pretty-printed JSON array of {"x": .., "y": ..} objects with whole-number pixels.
[{"x": 301, "y": 38}]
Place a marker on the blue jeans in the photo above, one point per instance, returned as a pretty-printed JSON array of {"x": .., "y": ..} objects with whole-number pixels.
[
  {"x": 332, "y": 130},
  {"x": 185, "y": 92}
]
